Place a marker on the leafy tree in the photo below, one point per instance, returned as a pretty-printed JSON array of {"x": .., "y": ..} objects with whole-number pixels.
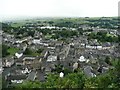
[
  {"x": 5, "y": 50},
  {"x": 67, "y": 71},
  {"x": 58, "y": 68},
  {"x": 31, "y": 33},
  {"x": 28, "y": 51},
  {"x": 107, "y": 60},
  {"x": 40, "y": 50},
  {"x": 117, "y": 72},
  {"x": 103, "y": 37}
]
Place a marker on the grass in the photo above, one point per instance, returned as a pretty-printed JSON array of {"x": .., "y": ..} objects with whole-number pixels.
[
  {"x": 17, "y": 24},
  {"x": 111, "y": 35},
  {"x": 35, "y": 54},
  {"x": 48, "y": 36},
  {"x": 12, "y": 50}
]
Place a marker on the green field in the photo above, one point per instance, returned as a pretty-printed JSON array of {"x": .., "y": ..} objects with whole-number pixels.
[{"x": 12, "y": 50}]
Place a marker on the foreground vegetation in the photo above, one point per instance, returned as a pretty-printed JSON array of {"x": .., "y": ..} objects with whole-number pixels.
[{"x": 77, "y": 79}]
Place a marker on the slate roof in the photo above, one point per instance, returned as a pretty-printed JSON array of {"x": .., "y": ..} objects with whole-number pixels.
[
  {"x": 16, "y": 77},
  {"x": 32, "y": 76},
  {"x": 88, "y": 71},
  {"x": 40, "y": 75}
]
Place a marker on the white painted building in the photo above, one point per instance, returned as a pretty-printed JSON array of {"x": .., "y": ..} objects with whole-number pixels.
[
  {"x": 36, "y": 41},
  {"x": 61, "y": 75},
  {"x": 51, "y": 58},
  {"x": 9, "y": 63},
  {"x": 82, "y": 59},
  {"x": 75, "y": 65},
  {"x": 18, "y": 55},
  {"x": 17, "y": 81}
]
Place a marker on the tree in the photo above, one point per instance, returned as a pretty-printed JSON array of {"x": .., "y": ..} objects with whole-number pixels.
[
  {"x": 5, "y": 50},
  {"x": 27, "y": 51},
  {"x": 107, "y": 60},
  {"x": 40, "y": 50},
  {"x": 117, "y": 72},
  {"x": 31, "y": 33}
]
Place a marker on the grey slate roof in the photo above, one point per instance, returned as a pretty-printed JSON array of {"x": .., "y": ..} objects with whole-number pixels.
[
  {"x": 32, "y": 76},
  {"x": 16, "y": 77}
]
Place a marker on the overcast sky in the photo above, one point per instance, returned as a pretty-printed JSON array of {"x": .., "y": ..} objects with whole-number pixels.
[{"x": 58, "y": 8}]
